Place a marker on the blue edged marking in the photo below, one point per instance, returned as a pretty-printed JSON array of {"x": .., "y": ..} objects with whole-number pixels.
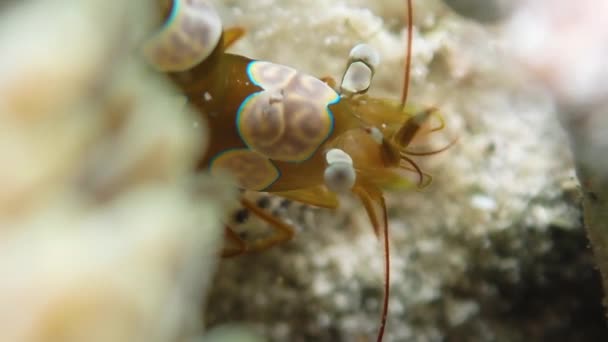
[
  {"x": 331, "y": 117},
  {"x": 250, "y": 74},
  {"x": 174, "y": 11},
  {"x": 219, "y": 154},
  {"x": 237, "y": 120},
  {"x": 248, "y": 98},
  {"x": 212, "y": 160}
]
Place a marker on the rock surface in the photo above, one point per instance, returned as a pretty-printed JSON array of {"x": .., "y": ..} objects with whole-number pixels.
[{"x": 494, "y": 250}]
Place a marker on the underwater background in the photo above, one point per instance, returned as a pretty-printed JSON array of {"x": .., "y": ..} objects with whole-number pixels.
[{"x": 107, "y": 233}]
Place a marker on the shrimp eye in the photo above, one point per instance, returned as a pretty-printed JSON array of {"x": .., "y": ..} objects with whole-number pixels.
[
  {"x": 357, "y": 77},
  {"x": 365, "y": 54},
  {"x": 339, "y": 174}
]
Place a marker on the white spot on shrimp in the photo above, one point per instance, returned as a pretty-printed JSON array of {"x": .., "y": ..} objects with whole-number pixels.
[
  {"x": 207, "y": 96},
  {"x": 376, "y": 135}
]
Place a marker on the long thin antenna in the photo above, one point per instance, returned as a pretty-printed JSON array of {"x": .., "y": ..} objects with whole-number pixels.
[
  {"x": 429, "y": 153},
  {"x": 387, "y": 272},
  {"x": 387, "y": 269},
  {"x": 408, "y": 55}
]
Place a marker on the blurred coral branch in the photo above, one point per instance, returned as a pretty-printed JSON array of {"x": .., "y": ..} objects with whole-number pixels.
[{"x": 104, "y": 233}]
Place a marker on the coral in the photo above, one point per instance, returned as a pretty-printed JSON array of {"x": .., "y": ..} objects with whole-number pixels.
[{"x": 104, "y": 233}]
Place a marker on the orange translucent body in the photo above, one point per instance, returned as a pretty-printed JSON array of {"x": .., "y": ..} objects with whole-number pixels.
[{"x": 242, "y": 103}]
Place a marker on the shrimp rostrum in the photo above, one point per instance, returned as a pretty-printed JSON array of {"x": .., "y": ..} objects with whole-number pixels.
[{"x": 277, "y": 130}]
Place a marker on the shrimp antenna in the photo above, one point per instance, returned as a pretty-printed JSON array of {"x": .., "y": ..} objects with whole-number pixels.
[
  {"x": 387, "y": 272},
  {"x": 408, "y": 55},
  {"x": 416, "y": 169},
  {"x": 406, "y": 81},
  {"x": 430, "y": 153}
]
